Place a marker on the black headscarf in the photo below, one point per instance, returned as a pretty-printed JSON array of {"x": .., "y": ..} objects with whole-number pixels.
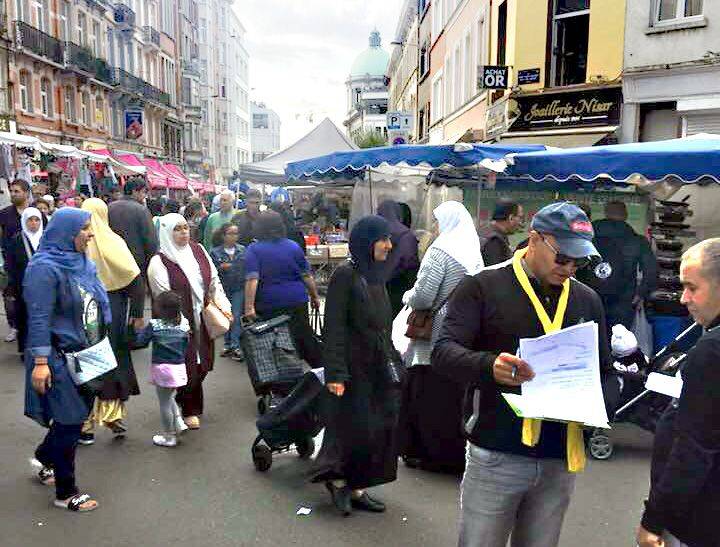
[
  {"x": 368, "y": 231},
  {"x": 392, "y": 212}
]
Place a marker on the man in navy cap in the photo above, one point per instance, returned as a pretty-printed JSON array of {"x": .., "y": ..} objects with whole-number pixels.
[{"x": 520, "y": 474}]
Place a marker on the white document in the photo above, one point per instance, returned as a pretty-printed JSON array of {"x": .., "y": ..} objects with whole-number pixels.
[
  {"x": 567, "y": 384},
  {"x": 664, "y": 384}
]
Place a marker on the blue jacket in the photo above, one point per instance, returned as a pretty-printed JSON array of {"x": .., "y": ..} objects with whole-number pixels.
[
  {"x": 169, "y": 341},
  {"x": 232, "y": 280},
  {"x": 55, "y": 324}
]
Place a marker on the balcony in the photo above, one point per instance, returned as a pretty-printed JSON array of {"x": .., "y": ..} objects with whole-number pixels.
[
  {"x": 151, "y": 36},
  {"x": 191, "y": 68},
  {"x": 83, "y": 60},
  {"x": 133, "y": 84},
  {"x": 39, "y": 43},
  {"x": 124, "y": 16}
]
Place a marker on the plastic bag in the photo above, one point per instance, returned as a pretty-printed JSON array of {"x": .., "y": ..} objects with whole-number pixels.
[{"x": 643, "y": 330}]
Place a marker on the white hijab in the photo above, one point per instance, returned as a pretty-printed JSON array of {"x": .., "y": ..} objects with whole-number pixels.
[
  {"x": 33, "y": 238},
  {"x": 458, "y": 236},
  {"x": 184, "y": 258}
]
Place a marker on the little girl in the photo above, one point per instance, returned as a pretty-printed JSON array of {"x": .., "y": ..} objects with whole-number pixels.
[{"x": 169, "y": 335}]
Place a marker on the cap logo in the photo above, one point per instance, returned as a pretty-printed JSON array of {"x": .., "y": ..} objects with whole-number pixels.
[{"x": 581, "y": 226}]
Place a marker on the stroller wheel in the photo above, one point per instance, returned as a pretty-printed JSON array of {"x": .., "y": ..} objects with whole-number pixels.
[
  {"x": 263, "y": 404},
  {"x": 305, "y": 447},
  {"x": 262, "y": 457},
  {"x": 600, "y": 445}
]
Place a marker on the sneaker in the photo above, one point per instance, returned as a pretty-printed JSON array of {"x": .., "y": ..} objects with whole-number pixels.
[
  {"x": 180, "y": 425},
  {"x": 118, "y": 428},
  {"x": 168, "y": 440},
  {"x": 86, "y": 439},
  {"x": 11, "y": 336},
  {"x": 226, "y": 352},
  {"x": 238, "y": 355}
]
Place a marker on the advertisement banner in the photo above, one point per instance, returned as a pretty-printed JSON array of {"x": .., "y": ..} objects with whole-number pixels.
[{"x": 133, "y": 124}]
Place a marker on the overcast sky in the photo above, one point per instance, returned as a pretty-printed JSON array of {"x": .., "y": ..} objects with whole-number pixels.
[{"x": 301, "y": 52}]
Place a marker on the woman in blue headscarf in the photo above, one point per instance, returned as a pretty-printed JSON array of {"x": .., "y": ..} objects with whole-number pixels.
[
  {"x": 359, "y": 447},
  {"x": 68, "y": 309}
]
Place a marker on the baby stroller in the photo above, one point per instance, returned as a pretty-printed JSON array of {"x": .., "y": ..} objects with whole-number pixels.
[
  {"x": 295, "y": 420},
  {"x": 638, "y": 405},
  {"x": 273, "y": 364}
]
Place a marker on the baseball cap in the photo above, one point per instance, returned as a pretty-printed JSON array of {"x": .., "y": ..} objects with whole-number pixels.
[{"x": 570, "y": 226}]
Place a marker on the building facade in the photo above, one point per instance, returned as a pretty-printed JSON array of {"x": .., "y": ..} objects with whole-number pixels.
[
  {"x": 671, "y": 82},
  {"x": 402, "y": 71},
  {"x": 95, "y": 74},
  {"x": 367, "y": 91},
  {"x": 188, "y": 41},
  {"x": 424, "y": 86},
  {"x": 265, "y": 132},
  {"x": 224, "y": 89}
]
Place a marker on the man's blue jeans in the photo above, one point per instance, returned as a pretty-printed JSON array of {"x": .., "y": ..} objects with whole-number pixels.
[{"x": 237, "y": 301}]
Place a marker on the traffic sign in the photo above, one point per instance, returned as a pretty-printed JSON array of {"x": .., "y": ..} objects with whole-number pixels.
[{"x": 400, "y": 121}]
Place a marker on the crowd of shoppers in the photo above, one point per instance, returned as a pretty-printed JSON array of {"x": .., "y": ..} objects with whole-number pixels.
[{"x": 80, "y": 280}]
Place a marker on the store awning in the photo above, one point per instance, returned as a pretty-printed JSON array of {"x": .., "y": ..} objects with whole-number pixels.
[
  {"x": 678, "y": 161},
  {"x": 156, "y": 180},
  {"x": 351, "y": 165},
  {"x": 173, "y": 181},
  {"x": 176, "y": 172},
  {"x": 558, "y": 139}
]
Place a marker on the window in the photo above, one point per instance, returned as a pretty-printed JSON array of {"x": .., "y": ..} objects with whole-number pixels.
[
  {"x": 448, "y": 95},
  {"x": 260, "y": 121},
  {"x": 571, "y": 30},
  {"x": 21, "y": 10},
  {"x": 40, "y": 10},
  {"x": 668, "y": 10},
  {"x": 65, "y": 20},
  {"x": 46, "y": 97},
  {"x": 481, "y": 42},
  {"x": 25, "y": 91},
  {"x": 82, "y": 28},
  {"x": 458, "y": 83},
  {"x": 95, "y": 38},
  {"x": 69, "y": 104},
  {"x": 502, "y": 33},
  {"x": 85, "y": 108},
  {"x": 436, "y": 110},
  {"x": 469, "y": 68},
  {"x": 437, "y": 17},
  {"x": 424, "y": 58},
  {"x": 100, "y": 113}
]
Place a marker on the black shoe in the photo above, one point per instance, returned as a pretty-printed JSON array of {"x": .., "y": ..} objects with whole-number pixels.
[
  {"x": 86, "y": 439},
  {"x": 226, "y": 352},
  {"x": 367, "y": 503},
  {"x": 341, "y": 498}
]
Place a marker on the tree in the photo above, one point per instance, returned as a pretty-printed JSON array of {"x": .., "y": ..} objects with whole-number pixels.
[{"x": 369, "y": 138}]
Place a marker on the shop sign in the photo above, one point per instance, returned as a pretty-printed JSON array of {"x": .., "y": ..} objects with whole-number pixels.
[
  {"x": 496, "y": 119},
  {"x": 133, "y": 124},
  {"x": 493, "y": 77},
  {"x": 588, "y": 108},
  {"x": 529, "y": 76}
]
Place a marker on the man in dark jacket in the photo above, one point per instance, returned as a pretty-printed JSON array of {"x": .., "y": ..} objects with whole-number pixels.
[
  {"x": 624, "y": 253},
  {"x": 130, "y": 219},
  {"x": 684, "y": 501},
  {"x": 512, "y": 486},
  {"x": 247, "y": 219},
  {"x": 495, "y": 244}
]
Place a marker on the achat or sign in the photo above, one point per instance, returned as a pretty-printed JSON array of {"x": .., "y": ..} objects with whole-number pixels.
[
  {"x": 493, "y": 77},
  {"x": 400, "y": 121}
]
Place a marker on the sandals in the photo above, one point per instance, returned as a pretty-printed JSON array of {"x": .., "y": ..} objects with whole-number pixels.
[
  {"x": 193, "y": 422},
  {"x": 75, "y": 503},
  {"x": 46, "y": 476}
]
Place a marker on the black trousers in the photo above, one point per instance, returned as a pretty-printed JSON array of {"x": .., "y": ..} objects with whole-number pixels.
[{"x": 57, "y": 451}]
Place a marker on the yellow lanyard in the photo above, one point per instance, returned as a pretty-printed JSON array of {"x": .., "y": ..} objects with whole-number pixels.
[{"x": 533, "y": 427}]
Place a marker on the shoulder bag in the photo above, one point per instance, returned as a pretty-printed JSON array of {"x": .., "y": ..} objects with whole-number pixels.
[{"x": 91, "y": 363}]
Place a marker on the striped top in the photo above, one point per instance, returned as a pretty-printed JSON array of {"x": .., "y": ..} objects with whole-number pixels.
[{"x": 438, "y": 276}]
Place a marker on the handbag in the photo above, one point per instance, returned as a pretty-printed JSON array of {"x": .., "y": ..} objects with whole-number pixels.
[
  {"x": 419, "y": 325},
  {"x": 217, "y": 323},
  {"x": 91, "y": 363},
  {"x": 392, "y": 369}
]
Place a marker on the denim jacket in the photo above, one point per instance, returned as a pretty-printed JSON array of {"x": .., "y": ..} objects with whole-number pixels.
[
  {"x": 233, "y": 279},
  {"x": 169, "y": 341}
]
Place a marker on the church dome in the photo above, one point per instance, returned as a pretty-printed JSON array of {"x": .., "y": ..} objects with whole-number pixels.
[{"x": 373, "y": 60}]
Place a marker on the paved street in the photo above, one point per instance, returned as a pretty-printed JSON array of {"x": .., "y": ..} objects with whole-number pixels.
[{"x": 207, "y": 493}]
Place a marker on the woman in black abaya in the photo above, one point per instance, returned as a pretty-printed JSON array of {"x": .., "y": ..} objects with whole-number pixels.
[{"x": 359, "y": 447}]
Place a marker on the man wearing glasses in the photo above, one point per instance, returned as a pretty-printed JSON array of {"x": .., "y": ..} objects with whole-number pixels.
[{"x": 520, "y": 474}]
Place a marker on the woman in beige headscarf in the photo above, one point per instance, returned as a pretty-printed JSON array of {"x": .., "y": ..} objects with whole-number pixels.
[{"x": 120, "y": 274}]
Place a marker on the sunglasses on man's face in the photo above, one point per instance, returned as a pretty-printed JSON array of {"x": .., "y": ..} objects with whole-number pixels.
[{"x": 564, "y": 260}]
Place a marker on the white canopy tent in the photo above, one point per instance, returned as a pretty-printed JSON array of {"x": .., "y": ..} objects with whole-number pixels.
[{"x": 323, "y": 139}]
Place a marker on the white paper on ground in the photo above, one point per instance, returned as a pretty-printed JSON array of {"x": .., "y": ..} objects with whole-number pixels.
[
  {"x": 664, "y": 384},
  {"x": 304, "y": 511},
  {"x": 567, "y": 385}
]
